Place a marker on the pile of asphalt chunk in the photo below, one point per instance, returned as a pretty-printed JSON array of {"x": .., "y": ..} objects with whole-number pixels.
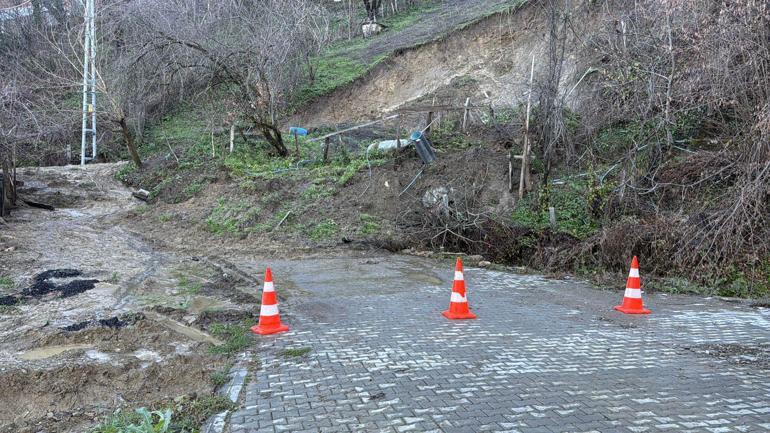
[{"x": 42, "y": 286}]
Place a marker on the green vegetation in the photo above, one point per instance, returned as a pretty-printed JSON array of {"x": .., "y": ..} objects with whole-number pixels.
[
  {"x": 323, "y": 230},
  {"x": 295, "y": 352},
  {"x": 231, "y": 217},
  {"x": 345, "y": 61},
  {"x": 139, "y": 421},
  {"x": 317, "y": 191},
  {"x": 236, "y": 338},
  {"x": 6, "y": 282},
  {"x": 166, "y": 217},
  {"x": 181, "y": 416},
  {"x": 114, "y": 278},
  {"x": 125, "y": 172},
  {"x": 369, "y": 224},
  {"x": 189, "y": 287},
  {"x": 572, "y": 202},
  {"x": 141, "y": 209},
  {"x": 220, "y": 377}
]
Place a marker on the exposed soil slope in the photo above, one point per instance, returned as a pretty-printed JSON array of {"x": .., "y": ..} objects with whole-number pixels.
[{"x": 488, "y": 61}]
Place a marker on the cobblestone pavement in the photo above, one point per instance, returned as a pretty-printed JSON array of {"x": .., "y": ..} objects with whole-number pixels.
[{"x": 543, "y": 356}]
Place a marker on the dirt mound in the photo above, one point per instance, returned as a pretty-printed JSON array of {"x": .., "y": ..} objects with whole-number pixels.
[{"x": 74, "y": 396}]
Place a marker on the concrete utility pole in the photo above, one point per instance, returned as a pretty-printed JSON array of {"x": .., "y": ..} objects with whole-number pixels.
[{"x": 89, "y": 82}]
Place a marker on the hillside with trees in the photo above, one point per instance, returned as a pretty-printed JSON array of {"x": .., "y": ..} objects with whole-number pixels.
[{"x": 646, "y": 124}]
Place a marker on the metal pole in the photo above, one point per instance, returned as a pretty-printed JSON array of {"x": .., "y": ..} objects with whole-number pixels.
[
  {"x": 93, "y": 80},
  {"x": 89, "y": 82},
  {"x": 86, "y": 44}
]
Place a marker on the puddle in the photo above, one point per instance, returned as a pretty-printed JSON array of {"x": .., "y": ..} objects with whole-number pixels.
[
  {"x": 98, "y": 356},
  {"x": 200, "y": 304},
  {"x": 187, "y": 331},
  {"x": 424, "y": 278},
  {"x": 147, "y": 355},
  {"x": 51, "y": 351}
]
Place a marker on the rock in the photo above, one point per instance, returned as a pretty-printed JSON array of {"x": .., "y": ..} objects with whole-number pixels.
[
  {"x": 484, "y": 264},
  {"x": 438, "y": 200},
  {"x": 474, "y": 259},
  {"x": 141, "y": 194},
  {"x": 423, "y": 253}
]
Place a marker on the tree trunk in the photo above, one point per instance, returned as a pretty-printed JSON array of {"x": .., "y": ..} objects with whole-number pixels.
[
  {"x": 37, "y": 13},
  {"x": 274, "y": 137},
  {"x": 128, "y": 137}
]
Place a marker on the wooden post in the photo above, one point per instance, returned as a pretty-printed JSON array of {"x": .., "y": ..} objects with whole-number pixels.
[
  {"x": 232, "y": 137},
  {"x": 350, "y": 19},
  {"x": 398, "y": 134},
  {"x": 510, "y": 171},
  {"x": 430, "y": 121},
  {"x": 296, "y": 144},
  {"x": 524, "y": 177},
  {"x": 465, "y": 113},
  {"x": 327, "y": 143}
]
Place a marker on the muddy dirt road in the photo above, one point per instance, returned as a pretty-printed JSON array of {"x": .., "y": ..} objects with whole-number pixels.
[{"x": 80, "y": 328}]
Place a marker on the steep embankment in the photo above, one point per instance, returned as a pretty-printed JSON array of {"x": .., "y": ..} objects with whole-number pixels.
[{"x": 487, "y": 60}]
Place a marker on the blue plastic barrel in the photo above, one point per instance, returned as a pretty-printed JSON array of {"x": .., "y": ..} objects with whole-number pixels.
[{"x": 297, "y": 130}]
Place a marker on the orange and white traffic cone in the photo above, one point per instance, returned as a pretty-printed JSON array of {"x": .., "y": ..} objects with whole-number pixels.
[
  {"x": 458, "y": 304},
  {"x": 269, "y": 318},
  {"x": 632, "y": 300}
]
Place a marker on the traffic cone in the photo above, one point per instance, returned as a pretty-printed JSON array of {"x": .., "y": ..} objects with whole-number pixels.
[
  {"x": 269, "y": 318},
  {"x": 632, "y": 300},
  {"x": 458, "y": 304}
]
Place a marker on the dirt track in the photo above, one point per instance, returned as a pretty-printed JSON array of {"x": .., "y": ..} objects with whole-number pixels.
[
  {"x": 66, "y": 357},
  {"x": 433, "y": 24}
]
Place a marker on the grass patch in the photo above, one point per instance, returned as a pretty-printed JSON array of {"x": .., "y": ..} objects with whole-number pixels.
[
  {"x": 323, "y": 230},
  {"x": 231, "y": 217},
  {"x": 236, "y": 338},
  {"x": 166, "y": 217},
  {"x": 183, "y": 416},
  {"x": 317, "y": 191},
  {"x": 572, "y": 204},
  {"x": 9, "y": 310},
  {"x": 189, "y": 287},
  {"x": 6, "y": 283},
  {"x": 220, "y": 377},
  {"x": 369, "y": 224},
  {"x": 341, "y": 63},
  {"x": 295, "y": 352}
]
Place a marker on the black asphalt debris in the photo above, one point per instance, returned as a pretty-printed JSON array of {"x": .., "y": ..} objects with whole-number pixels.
[{"x": 42, "y": 286}]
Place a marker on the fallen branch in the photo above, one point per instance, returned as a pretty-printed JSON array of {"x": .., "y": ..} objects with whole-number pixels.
[
  {"x": 38, "y": 205},
  {"x": 282, "y": 220}
]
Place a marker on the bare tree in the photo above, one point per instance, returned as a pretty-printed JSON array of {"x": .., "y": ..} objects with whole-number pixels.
[
  {"x": 255, "y": 51},
  {"x": 371, "y": 7}
]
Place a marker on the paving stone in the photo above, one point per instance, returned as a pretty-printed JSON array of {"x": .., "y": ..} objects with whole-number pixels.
[{"x": 543, "y": 356}]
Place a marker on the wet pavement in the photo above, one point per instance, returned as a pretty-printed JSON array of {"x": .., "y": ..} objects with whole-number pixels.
[{"x": 543, "y": 356}]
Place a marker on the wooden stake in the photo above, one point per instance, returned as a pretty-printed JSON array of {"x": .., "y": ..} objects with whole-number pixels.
[
  {"x": 430, "y": 121},
  {"x": 327, "y": 143},
  {"x": 398, "y": 134},
  {"x": 232, "y": 137},
  {"x": 465, "y": 112},
  {"x": 524, "y": 177}
]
